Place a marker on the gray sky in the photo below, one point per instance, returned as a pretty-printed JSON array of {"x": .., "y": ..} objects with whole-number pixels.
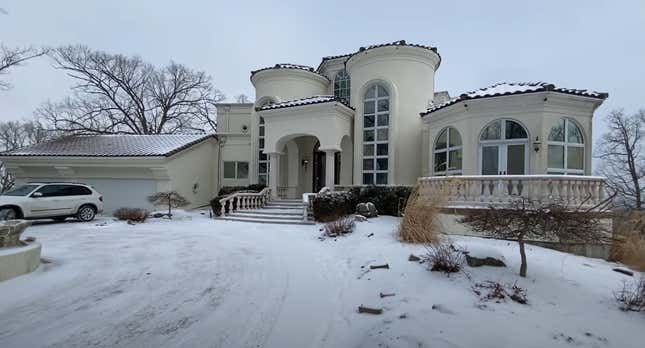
[{"x": 588, "y": 44}]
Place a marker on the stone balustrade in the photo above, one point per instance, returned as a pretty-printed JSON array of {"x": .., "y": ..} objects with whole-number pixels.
[
  {"x": 244, "y": 200},
  {"x": 485, "y": 190}
]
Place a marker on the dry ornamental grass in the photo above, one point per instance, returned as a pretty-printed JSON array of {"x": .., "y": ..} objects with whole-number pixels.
[{"x": 420, "y": 220}]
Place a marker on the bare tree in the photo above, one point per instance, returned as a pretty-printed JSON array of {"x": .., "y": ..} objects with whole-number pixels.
[
  {"x": 242, "y": 98},
  {"x": 621, "y": 151},
  {"x": 170, "y": 199},
  {"x": 525, "y": 219},
  {"x": 7, "y": 179},
  {"x": 119, "y": 94},
  {"x": 13, "y": 57},
  {"x": 18, "y": 134}
]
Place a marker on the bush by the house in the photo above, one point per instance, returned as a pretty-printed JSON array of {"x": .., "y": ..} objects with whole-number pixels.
[
  {"x": 495, "y": 291},
  {"x": 131, "y": 214},
  {"x": 342, "y": 226},
  {"x": 444, "y": 258},
  {"x": 632, "y": 296},
  {"x": 420, "y": 223},
  {"x": 228, "y": 190},
  {"x": 330, "y": 206},
  {"x": 389, "y": 200},
  {"x": 628, "y": 245}
]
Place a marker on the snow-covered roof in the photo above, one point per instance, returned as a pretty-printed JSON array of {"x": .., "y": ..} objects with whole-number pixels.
[
  {"x": 288, "y": 66},
  {"x": 510, "y": 88},
  {"x": 316, "y": 99},
  {"x": 118, "y": 145}
]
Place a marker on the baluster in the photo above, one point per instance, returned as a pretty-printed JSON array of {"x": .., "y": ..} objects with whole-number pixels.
[{"x": 223, "y": 208}]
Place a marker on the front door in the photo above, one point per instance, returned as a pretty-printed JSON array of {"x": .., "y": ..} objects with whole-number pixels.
[
  {"x": 503, "y": 159},
  {"x": 318, "y": 169}
]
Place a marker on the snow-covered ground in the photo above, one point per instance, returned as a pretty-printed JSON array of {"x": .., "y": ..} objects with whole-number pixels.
[{"x": 196, "y": 282}]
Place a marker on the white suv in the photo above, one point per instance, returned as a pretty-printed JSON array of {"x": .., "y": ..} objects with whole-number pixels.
[{"x": 56, "y": 201}]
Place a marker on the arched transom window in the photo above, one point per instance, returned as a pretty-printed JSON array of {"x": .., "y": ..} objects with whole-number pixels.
[
  {"x": 503, "y": 146},
  {"x": 342, "y": 85},
  {"x": 566, "y": 149},
  {"x": 447, "y": 152},
  {"x": 376, "y": 129}
]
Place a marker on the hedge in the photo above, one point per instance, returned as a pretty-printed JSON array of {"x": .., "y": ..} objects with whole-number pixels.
[
  {"x": 228, "y": 190},
  {"x": 389, "y": 200}
]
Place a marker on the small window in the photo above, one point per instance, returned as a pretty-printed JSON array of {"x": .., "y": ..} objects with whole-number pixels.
[
  {"x": 229, "y": 170},
  {"x": 237, "y": 170},
  {"x": 448, "y": 152},
  {"x": 566, "y": 149},
  {"x": 342, "y": 85}
]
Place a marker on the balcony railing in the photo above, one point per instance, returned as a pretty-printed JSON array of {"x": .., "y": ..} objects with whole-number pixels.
[{"x": 484, "y": 190}]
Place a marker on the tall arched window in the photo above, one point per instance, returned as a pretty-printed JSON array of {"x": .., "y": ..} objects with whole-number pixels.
[
  {"x": 503, "y": 148},
  {"x": 447, "y": 152},
  {"x": 376, "y": 133},
  {"x": 263, "y": 160},
  {"x": 342, "y": 85},
  {"x": 566, "y": 149}
]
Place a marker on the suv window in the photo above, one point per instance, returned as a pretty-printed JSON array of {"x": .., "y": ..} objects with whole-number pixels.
[
  {"x": 64, "y": 190},
  {"x": 76, "y": 190}
]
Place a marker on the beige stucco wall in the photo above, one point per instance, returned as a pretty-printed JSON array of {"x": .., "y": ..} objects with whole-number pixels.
[
  {"x": 408, "y": 74},
  {"x": 537, "y": 112},
  {"x": 236, "y": 143},
  {"x": 195, "y": 166}
]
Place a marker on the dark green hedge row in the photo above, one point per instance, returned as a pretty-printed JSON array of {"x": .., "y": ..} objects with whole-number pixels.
[
  {"x": 389, "y": 200},
  {"x": 228, "y": 190}
]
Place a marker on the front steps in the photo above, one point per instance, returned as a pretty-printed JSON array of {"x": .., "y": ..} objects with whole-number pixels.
[{"x": 279, "y": 211}]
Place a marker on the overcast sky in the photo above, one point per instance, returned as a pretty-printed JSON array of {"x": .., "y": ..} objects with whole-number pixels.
[{"x": 590, "y": 44}]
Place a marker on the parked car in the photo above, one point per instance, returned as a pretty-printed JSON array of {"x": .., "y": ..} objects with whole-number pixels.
[{"x": 57, "y": 201}]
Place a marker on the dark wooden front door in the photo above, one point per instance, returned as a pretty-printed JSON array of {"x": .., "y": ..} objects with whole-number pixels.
[{"x": 318, "y": 168}]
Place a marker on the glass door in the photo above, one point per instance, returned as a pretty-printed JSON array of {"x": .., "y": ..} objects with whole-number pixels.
[
  {"x": 515, "y": 159},
  {"x": 503, "y": 159},
  {"x": 490, "y": 160}
]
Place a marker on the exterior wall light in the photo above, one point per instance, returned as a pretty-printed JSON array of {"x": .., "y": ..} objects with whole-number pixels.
[
  {"x": 305, "y": 163},
  {"x": 537, "y": 144}
]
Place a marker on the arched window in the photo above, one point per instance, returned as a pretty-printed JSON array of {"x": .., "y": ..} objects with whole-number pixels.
[
  {"x": 376, "y": 133},
  {"x": 263, "y": 160},
  {"x": 503, "y": 148},
  {"x": 566, "y": 149},
  {"x": 447, "y": 152},
  {"x": 342, "y": 85}
]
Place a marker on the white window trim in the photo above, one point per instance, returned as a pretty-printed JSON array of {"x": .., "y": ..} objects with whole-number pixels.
[
  {"x": 447, "y": 150},
  {"x": 346, "y": 78},
  {"x": 236, "y": 165},
  {"x": 502, "y": 144},
  {"x": 566, "y": 144}
]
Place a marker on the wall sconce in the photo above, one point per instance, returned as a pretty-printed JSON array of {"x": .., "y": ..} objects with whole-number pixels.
[
  {"x": 305, "y": 163},
  {"x": 536, "y": 144}
]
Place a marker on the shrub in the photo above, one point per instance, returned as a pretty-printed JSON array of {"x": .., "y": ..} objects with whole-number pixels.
[
  {"x": 499, "y": 292},
  {"x": 632, "y": 296},
  {"x": 131, "y": 214},
  {"x": 628, "y": 245},
  {"x": 331, "y": 206},
  {"x": 340, "y": 227},
  {"x": 389, "y": 200},
  {"x": 228, "y": 190},
  {"x": 420, "y": 222},
  {"x": 444, "y": 258}
]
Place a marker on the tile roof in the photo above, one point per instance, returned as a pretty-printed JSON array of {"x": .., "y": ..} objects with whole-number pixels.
[
  {"x": 288, "y": 66},
  {"x": 316, "y": 99},
  {"x": 511, "y": 88},
  {"x": 118, "y": 145}
]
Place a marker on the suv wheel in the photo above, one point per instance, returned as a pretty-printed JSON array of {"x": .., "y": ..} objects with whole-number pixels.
[
  {"x": 8, "y": 214},
  {"x": 86, "y": 213}
]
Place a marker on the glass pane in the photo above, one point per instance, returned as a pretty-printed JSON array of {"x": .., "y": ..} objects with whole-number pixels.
[
  {"x": 454, "y": 160},
  {"x": 381, "y": 178},
  {"x": 557, "y": 132},
  {"x": 262, "y": 156},
  {"x": 382, "y": 92},
  {"x": 455, "y": 138},
  {"x": 371, "y": 93},
  {"x": 442, "y": 140},
  {"x": 261, "y": 143},
  {"x": 262, "y": 168},
  {"x": 229, "y": 170},
  {"x": 336, "y": 85},
  {"x": 262, "y": 179},
  {"x": 556, "y": 156},
  {"x": 261, "y": 131},
  {"x": 262, "y": 118},
  {"x": 383, "y": 120},
  {"x": 440, "y": 162},
  {"x": 493, "y": 131},
  {"x": 573, "y": 133},
  {"x": 490, "y": 160},
  {"x": 515, "y": 159},
  {"x": 242, "y": 170},
  {"x": 383, "y": 105},
  {"x": 368, "y": 164},
  {"x": 368, "y": 121},
  {"x": 368, "y": 107},
  {"x": 368, "y": 150},
  {"x": 515, "y": 131},
  {"x": 368, "y": 179},
  {"x": 368, "y": 135},
  {"x": 381, "y": 164},
  {"x": 381, "y": 149},
  {"x": 381, "y": 134},
  {"x": 575, "y": 157}
]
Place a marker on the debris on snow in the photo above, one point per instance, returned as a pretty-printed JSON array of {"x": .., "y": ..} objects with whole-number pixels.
[{"x": 368, "y": 310}]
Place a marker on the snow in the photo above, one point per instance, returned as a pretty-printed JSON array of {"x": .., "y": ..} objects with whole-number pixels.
[
  {"x": 316, "y": 99},
  {"x": 198, "y": 282}
]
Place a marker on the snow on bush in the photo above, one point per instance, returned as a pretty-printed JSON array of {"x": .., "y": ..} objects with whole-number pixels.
[
  {"x": 131, "y": 214},
  {"x": 331, "y": 206},
  {"x": 444, "y": 258},
  {"x": 632, "y": 296},
  {"x": 340, "y": 227},
  {"x": 498, "y": 292}
]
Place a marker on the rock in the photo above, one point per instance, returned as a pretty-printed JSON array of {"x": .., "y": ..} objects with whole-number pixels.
[
  {"x": 367, "y": 210},
  {"x": 414, "y": 258},
  {"x": 624, "y": 271},
  {"x": 158, "y": 215},
  {"x": 10, "y": 232},
  {"x": 473, "y": 261}
]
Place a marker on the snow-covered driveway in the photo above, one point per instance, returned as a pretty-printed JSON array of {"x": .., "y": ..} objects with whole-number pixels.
[{"x": 196, "y": 282}]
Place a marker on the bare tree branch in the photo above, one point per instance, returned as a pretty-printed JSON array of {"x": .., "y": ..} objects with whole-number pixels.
[{"x": 14, "y": 57}]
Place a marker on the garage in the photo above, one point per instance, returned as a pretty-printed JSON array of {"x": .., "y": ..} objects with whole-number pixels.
[{"x": 126, "y": 169}]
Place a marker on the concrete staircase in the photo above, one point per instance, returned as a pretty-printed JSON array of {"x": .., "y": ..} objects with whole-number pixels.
[{"x": 279, "y": 211}]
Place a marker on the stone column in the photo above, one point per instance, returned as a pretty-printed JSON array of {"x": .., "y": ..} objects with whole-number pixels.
[
  {"x": 274, "y": 173},
  {"x": 330, "y": 168}
]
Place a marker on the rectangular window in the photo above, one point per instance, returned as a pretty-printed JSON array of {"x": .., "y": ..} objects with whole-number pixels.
[
  {"x": 229, "y": 170},
  {"x": 368, "y": 121},
  {"x": 381, "y": 178},
  {"x": 242, "y": 170},
  {"x": 575, "y": 157},
  {"x": 368, "y": 178},
  {"x": 236, "y": 170},
  {"x": 556, "y": 156}
]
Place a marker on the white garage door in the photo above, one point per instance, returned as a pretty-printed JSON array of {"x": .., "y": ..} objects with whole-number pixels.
[{"x": 118, "y": 193}]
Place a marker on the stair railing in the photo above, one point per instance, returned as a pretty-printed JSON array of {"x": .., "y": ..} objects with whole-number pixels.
[{"x": 244, "y": 200}]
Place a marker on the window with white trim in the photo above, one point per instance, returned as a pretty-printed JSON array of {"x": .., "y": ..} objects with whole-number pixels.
[
  {"x": 263, "y": 160},
  {"x": 566, "y": 148},
  {"x": 236, "y": 170},
  {"x": 447, "y": 153},
  {"x": 376, "y": 133},
  {"x": 342, "y": 85}
]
